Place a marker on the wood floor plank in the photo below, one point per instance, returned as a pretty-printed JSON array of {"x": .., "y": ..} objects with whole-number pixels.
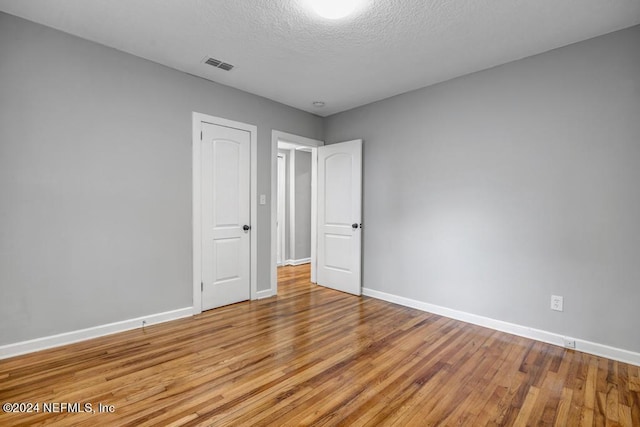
[
  {"x": 314, "y": 356},
  {"x": 525, "y": 411},
  {"x": 562, "y": 413}
]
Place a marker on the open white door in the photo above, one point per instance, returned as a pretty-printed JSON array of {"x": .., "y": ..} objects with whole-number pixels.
[{"x": 339, "y": 216}]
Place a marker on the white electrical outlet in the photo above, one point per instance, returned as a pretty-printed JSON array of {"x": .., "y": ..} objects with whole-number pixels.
[
  {"x": 557, "y": 303},
  {"x": 263, "y": 199},
  {"x": 569, "y": 342}
]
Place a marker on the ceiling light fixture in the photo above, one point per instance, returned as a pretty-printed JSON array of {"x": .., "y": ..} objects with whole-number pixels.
[{"x": 334, "y": 9}]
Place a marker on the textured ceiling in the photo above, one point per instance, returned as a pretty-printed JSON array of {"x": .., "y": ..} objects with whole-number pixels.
[{"x": 283, "y": 52}]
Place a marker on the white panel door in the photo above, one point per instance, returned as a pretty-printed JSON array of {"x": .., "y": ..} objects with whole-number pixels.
[
  {"x": 339, "y": 216},
  {"x": 225, "y": 196}
]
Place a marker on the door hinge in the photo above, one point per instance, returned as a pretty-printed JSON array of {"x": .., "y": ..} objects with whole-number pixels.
[
  {"x": 201, "y": 287},
  {"x": 200, "y": 135}
]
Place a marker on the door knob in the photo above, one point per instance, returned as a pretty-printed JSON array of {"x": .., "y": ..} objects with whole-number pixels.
[
  {"x": 246, "y": 227},
  {"x": 354, "y": 225}
]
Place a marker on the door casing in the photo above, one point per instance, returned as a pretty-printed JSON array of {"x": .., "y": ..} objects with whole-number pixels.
[{"x": 197, "y": 119}]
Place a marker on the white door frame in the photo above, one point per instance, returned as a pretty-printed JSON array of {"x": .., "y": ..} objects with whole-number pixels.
[
  {"x": 198, "y": 118},
  {"x": 276, "y": 136}
]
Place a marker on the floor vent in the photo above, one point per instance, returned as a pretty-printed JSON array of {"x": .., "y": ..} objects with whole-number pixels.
[{"x": 218, "y": 64}]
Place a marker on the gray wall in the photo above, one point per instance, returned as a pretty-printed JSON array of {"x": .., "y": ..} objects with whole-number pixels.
[
  {"x": 95, "y": 180},
  {"x": 287, "y": 219},
  {"x": 303, "y": 204},
  {"x": 302, "y": 184},
  {"x": 490, "y": 192}
]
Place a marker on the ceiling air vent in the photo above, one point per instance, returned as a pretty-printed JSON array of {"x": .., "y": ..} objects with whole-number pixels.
[{"x": 218, "y": 64}]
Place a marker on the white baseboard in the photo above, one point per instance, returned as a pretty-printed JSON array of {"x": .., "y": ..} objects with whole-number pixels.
[
  {"x": 297, "y": 261},
  {"x": 44, "y": 343},
  {"x": 264, "y": 294},
  {"x": 596, "y": 349}
]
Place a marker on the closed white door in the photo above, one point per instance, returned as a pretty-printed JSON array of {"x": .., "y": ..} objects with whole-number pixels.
[
  {"x": 226, "y": 224},
  {"x": 339, "y": 216}
]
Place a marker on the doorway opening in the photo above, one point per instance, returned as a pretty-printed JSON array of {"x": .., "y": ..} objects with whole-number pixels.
[
  {"x": 281, "y": 218},
  {"x": 336, "y": 212},
  {"x": 293, "y": 206}
]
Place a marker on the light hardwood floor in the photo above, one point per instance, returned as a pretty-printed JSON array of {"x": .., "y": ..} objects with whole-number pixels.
[{"x": 313, "y": 356}]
